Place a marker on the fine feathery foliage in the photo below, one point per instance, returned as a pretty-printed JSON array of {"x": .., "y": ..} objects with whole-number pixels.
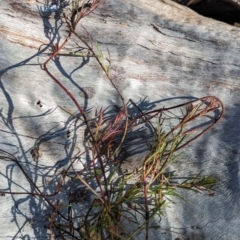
[{"x": 117, "y": 198}]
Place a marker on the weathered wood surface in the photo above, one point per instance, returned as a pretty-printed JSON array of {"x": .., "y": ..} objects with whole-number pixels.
[{"x": 188, "y": 56}]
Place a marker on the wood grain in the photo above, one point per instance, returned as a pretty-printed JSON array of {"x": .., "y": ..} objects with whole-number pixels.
[{"x": 162, "y": 53}]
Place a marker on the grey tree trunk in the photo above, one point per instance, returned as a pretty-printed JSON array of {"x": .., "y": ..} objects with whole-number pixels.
[{"x": 161, "y": 53}]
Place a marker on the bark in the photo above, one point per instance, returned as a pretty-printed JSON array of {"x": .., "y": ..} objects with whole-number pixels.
[{"x": 161, "y": 53}]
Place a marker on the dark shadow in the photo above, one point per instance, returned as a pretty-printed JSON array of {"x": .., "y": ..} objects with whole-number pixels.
[
  {"x": 217, "y": 9},
  {"x": 216, "y": 152},
  {"x": 135, "y": 146},
  {"x": 85, "y": 60},
  {"x": 32, "y": 167}
]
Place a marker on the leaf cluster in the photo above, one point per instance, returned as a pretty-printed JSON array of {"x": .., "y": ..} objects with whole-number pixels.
[{"x": 113, "y": 199}]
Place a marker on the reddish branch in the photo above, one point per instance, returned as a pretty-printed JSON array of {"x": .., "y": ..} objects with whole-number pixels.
[{"x": 120, "y": 126}]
